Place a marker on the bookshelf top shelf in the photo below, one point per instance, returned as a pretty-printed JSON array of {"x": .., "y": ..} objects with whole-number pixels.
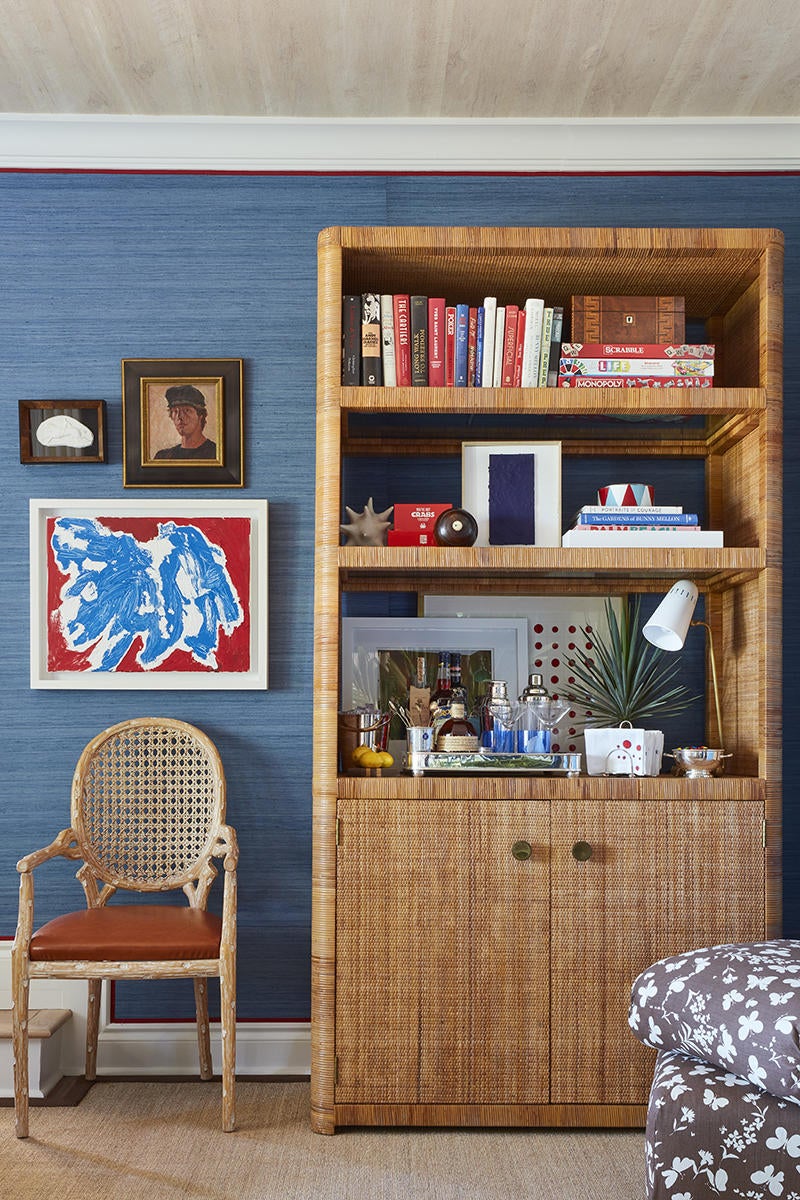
[{"x": 709, "y": 267}]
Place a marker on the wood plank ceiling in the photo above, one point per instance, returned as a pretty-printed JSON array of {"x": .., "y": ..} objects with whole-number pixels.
[{"x": 418, "y": 58}]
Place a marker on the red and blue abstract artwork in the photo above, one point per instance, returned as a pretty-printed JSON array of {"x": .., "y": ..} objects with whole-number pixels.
[{"x": 143, "y": 594}]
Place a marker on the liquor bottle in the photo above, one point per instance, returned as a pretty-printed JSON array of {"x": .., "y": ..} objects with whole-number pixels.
[
  {"x": 442, "y": 693},
  {"x": 419, "y": 693},
  {"x": 456, "y": 735},
  {"x": 457, "y": 689}
]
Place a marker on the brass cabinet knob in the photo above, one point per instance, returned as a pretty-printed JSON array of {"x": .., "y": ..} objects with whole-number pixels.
[
  {"x": 521, "y": 850},
  {"x": 582, "y": 851}
]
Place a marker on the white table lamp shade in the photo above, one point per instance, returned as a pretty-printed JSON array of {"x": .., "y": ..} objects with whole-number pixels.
[{"x": 669, "y": 624}]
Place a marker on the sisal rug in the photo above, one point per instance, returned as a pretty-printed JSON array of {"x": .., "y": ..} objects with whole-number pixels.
[{"x": 162, "y": 1141}]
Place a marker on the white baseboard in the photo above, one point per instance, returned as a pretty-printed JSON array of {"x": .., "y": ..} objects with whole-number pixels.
[
  {"x": 262, "y": 1048},
  {"x": 279, "y": 1048},
  {"x": 67, "y": 141}
]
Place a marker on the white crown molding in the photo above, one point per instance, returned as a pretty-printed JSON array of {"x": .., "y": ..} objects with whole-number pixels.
[{"x": 126, "y": 143}]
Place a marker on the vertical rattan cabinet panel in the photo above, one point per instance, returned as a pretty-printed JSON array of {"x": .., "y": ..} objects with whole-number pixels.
[
  {"x": 442, "y": 953},
  {"x": 664, "y": 875},
  {"x": 442, "y": 990}
]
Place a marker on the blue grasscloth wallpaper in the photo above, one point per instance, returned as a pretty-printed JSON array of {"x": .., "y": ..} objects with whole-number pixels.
[{"x": 99, "y": 267}]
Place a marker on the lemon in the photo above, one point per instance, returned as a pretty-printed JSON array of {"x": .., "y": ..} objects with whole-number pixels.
[
  {"x": 370, "y": 759},
  {"x": 361, "y": 750},
  {"x": 385, "y": 757}
]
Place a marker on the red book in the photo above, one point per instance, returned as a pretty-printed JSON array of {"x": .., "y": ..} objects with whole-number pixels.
[
  {"x": 519, "y": 348},
  {"x": 472, "y": 344},
  {"x": 450, "y": 345},
  {"x": 402, "y": 339},
  {"x": 510, "y": 345},
  {"x": 436, "y": 307}
]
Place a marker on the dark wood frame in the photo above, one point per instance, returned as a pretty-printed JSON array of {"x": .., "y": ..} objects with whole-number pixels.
[
  {"x": 140, "y": 470},
  {"x": 96, "y": 453}
]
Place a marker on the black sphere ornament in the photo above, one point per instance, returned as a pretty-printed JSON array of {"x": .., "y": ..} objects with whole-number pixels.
[{"x": 455, "y": 527}]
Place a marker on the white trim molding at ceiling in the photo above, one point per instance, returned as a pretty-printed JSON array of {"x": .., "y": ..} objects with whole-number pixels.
[{"x": 243, "y": 144}]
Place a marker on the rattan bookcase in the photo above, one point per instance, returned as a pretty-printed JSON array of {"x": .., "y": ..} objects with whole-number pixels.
[{"x": 452, "y": 983}]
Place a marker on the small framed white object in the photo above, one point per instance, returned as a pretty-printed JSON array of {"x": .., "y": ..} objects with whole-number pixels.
[{"x": 515, "y": 503}]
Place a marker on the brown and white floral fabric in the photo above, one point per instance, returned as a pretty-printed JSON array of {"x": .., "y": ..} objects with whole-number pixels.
[
  {"x": 724, "y": 1112},
  {"x": 712, "y": 1134},
  {"x": 737, "y": 1006}
]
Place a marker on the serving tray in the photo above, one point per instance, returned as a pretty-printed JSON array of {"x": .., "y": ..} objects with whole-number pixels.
[{"x": 431, "y": 762}]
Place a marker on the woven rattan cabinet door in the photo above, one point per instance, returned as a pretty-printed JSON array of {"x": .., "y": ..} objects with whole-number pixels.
[
  {"x": 663, "y": 877},
  {"x": 442, "y": 960}
]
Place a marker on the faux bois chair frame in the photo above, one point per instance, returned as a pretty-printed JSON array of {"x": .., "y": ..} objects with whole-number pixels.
[{"x": 147, "y": 815}]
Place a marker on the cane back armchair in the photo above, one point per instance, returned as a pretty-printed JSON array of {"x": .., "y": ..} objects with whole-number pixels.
[{"x": 147, "y": 815}]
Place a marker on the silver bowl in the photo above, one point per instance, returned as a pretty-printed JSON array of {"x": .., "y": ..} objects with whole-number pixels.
[{"x": 699, "y": 762}]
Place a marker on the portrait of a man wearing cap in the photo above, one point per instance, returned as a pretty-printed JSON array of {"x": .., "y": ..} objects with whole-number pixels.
[{"x": 186, "y": 406}]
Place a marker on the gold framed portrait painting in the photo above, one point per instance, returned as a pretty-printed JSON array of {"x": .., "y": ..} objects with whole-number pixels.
[{"x": 182, "y": 422}]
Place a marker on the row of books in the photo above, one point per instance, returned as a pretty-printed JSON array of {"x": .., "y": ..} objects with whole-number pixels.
[
  {"x": 641, "y": 527},
  {"x": 608, "y": 364},
  {"x": 393, "y": 340}
]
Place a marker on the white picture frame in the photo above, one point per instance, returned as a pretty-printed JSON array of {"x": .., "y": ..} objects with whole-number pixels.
[
  {"x": 364, "y": 637},
  {"x": 195, "y": 572},
  {"x": 547, "y": 486}
]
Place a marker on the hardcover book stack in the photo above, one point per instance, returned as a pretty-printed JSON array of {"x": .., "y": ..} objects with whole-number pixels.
[
  {"x": 638, "y": 526},
  {"x": 422, "y": 341}
]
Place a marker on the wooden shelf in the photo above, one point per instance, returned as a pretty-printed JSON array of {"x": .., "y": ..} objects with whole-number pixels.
[
  {"x": 692, "y": 422},
  {"x": 574, "y": 402},
  {"x": 516, "y": 568},
  {"x": 530, "y": 787}
]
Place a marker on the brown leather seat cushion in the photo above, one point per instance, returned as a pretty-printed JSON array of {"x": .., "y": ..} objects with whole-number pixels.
[{"x": 132, "y": 932}]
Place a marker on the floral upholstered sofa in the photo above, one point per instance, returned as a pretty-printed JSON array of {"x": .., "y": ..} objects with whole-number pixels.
[{"x": 724, "y": 1112}]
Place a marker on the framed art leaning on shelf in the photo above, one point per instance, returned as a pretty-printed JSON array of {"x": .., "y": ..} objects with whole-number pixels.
[{"x": 513, "y": 489}]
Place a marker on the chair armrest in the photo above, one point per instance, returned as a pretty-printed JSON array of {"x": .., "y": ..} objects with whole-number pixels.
[
  {"x": 62, "y": 845},
  {"x": 227, "y": 848}
]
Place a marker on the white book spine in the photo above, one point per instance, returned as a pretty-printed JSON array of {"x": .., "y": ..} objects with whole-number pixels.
[
  {"x": 387, "y": 340},
  {"x": 531, "y": 349},
  {"x": 544, "y": 356},
  {"x": 489, "y": 320},
  {"x": 631, "y": 508},
  {"x": 499, "y": 346},
  {"x": 643, "y": 539}
]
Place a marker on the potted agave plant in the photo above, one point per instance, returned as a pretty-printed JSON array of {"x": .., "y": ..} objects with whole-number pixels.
[{"x": 625, "y": 684}]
